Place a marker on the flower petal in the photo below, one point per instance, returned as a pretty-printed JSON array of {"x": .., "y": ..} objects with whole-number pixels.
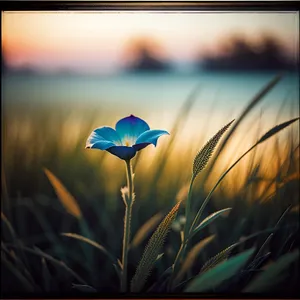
[
  {"x": 122, "y": 152},
  {"x": 101, "y": 144},
  {"x": 104, "y": 137},
  {"x": 130, "y": 128},
  {"x": 109, "y": 134},
  {"x": 141, "y": 146},
  {"x": 148, "y": 137}
]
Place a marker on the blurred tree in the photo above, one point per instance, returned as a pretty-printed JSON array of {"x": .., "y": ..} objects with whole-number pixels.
[
  {"x": 145, "y": 55},
  {"x": 241, "y": 55}
]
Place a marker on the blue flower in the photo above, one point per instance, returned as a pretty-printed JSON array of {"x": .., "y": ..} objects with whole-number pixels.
[{"x": 131, "y": 135}]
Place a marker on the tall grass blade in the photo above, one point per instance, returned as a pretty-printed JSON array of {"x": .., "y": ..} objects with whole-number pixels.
[
  {"x": 20, "y": 265},
  {"x": 152, "y": 250},
  {"x": 258, "y": 233},
  {"x": 9, "y": 226},
  {"x": 6, "y": 203},
  {"x": 191, "y": 257},
  {"x": 179, "y": 121},
  {"x": 275, "y": 129},
  {"x": 292, "y": 177},
  {"x": 210, "y": 218},
  {"x": 264, "y": 245},
  {"x": 146, "y": 228},
  {"x": 88, "y": 251},
  {"x": 206, "y": 152},
  {"x": 46, "y": 276},
  {"x": 161, "y": 280},
  {"x": 214, "y": 277},
  {"x": 257, "y": 262},
  {"x": 266, "y": 136},
  {"x": 272, "y": 275},
  {"x": 62, "y": 264},
  {"x": 257, "y": 98},
  {"x": 15, "y": 239},
  {"x": 117, "y": 269},
  {"x": 84, "y": 288},
  {"x": 26, "y": 284},
  {"x": 267, "y": 241},
  {"x": 67, "y": 200},
  {"x": 46, "y": 226},
  {"x": 93, "y": 243},
  {"x": 55, "y": 261},
  {"x": 295, "y": 209},
  {"x": 217, "y": 259}
]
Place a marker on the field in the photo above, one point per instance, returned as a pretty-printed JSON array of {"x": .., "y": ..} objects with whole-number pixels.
[{"x": 63, "y": 213}]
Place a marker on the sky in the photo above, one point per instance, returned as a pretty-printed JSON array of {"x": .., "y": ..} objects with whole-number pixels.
[{"x": 97, "y": 41}]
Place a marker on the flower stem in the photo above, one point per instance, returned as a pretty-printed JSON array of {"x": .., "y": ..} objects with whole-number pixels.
[{"x": 127, "y": 221}]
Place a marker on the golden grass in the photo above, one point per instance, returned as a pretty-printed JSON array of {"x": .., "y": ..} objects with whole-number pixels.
[{"x": 67, "y": 200}]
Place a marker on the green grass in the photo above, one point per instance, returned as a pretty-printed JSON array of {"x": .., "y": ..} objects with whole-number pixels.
[{"x": 75, "y": 245}]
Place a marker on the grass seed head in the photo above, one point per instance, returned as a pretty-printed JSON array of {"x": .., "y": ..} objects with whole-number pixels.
[{"x": 206, "y": 152}]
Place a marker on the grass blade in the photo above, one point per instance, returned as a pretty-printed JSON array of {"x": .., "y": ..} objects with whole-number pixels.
[
  {"x": 210, "y": 218},
  {"x": 257, "y": 98},
  {"x": 267, "y": 241},
  {"x": 9, "y": 226},
  {"x": 272, "y": 275},
  {"x": 275, "y": 129},
  {"x": 46, "y": 276},
  {"x": 214, "y": 277},
  {"x": 6, "y": 203},
  {"x": 93, "y": 243},
  {"x": 162, "y": 278},
  {"x": 20, "y": 266},
  {"x": 67, "y": 200},
  {"x": 84, "y": 288},
  {"x": 55, "y": 261},
  {"x": 206, "y": 152},
  {"x": 15, "y": 239},
  {"x": 257, "y": 262},
  {"x": 179, "y": 121},
  {"x": 152, "y": 250},
  {"x": 26, "y": 284},
  {"x": 266, "y": 136},
  {"x": 191, "y": 257}
]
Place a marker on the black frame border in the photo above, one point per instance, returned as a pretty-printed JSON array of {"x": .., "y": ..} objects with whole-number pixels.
[
  {"x": 173, "y": 6},
  {"x": 150, "y": 6}
]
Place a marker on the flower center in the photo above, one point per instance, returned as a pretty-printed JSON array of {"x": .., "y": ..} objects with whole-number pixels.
[{"x": 128, "y": 141}]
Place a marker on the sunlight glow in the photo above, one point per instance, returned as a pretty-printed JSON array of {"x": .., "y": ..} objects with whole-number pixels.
[{"x": 85, "y": 40}]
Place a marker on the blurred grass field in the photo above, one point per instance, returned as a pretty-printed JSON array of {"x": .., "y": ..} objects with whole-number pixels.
[{"x": 263, "y": 186}]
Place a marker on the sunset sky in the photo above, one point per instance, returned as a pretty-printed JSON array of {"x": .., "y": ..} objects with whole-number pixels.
[{"x": 95, "y": 41}]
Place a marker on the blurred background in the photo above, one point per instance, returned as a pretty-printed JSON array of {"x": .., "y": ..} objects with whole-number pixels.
[{"x": 66, "y": 73}]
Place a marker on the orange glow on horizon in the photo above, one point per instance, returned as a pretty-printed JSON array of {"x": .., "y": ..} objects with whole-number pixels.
[{"x": 69, "y": 39}]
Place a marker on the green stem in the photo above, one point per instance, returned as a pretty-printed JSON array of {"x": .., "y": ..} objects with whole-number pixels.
[
  {"x": 188, "y": 211},
  {"x": 176, "y": 264},
  {"x": 182, "y": 249},
  {"x": 188, "y": 230},
  {"x": 196, "y": 220},
  {"x": 127, "y": 221}
]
